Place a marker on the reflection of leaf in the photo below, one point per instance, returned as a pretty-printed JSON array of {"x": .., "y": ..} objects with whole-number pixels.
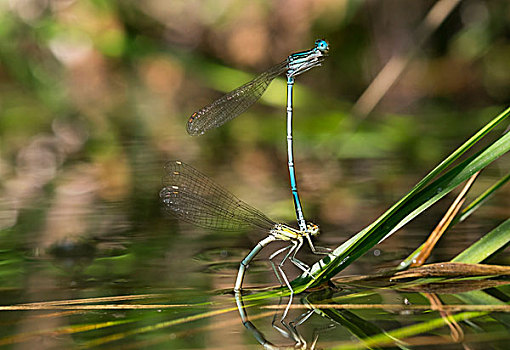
[
  {"x": 456, "y": 286},
  {"x": 479, "y": 297},
  {"x": 358, "y": 326},
  {"x": 453, "y": 270},
  {"x": 361, "y": 319},
  {"x": 96, "y": 304}
]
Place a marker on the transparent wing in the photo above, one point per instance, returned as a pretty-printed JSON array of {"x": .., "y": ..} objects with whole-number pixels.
[
  {"x": 234, "y": 103},
  {"x": 193, "y": 197}
]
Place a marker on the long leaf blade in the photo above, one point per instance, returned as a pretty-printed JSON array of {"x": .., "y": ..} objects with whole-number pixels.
[{"x": 415, "y": 202}]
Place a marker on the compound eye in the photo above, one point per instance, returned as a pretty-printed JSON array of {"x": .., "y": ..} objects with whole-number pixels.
[{"x": 322, "y": 45}]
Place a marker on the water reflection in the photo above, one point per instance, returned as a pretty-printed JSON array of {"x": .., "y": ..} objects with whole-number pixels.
[
  {"x": 313, "y": 304},
  {"x": 288, "y": 330},
  {"x": 385, "y": 315}
]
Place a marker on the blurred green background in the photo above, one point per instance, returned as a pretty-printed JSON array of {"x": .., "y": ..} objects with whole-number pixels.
[{"x": 95, "y": 95}]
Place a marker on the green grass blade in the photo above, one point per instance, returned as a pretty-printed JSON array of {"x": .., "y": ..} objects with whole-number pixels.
[
  {"x": 404, "y": 264},
  {"x": 466, "y": 212},
  {"x": 480, "y": 200},
  {"x": 415, "y": 202},
  {"x": 487, "y": 245},
  {"x": 447, "y": 162}
]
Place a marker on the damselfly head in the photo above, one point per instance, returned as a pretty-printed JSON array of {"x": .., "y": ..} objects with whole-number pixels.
[
  {"x": 322, "y": 45},
  {"x": 312, "y": 229},
  {"x": 301, "y": 62}
]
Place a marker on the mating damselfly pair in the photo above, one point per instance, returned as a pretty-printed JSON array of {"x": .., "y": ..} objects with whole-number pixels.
[{"x": 193, "y": 197}]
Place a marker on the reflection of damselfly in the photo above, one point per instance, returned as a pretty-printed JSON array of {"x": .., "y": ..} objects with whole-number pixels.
[
  {"x": 289, "y": 331},
  {"x": 239, "y": 100},
  {"x": 193, "y": 197}
]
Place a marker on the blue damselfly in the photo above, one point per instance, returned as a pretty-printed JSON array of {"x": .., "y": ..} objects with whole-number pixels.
[
  {"x": 193, "y": 197},
  {"x": 239, "y": 100}
]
